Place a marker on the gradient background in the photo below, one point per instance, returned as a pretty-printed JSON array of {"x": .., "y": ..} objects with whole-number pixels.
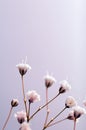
[{"x": 52, "y": 34}]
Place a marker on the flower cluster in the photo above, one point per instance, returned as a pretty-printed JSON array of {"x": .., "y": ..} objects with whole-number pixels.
[{"x": 24, "y": 116}]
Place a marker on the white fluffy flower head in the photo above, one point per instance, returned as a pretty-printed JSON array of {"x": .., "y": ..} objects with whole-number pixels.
[
  {"x": 25, "y": 126},
  {"x": 78, "y": 111},
  {"x": 64, "y": 86},
  {"x": 71, "y": 115},
  {"x": 70, "y": 102},
  {"x": 23, "y": 67},
  {"x": 21, "y": 116},
  {"x": 32, "y": 96},
  {"x": 49, "y": 80}
]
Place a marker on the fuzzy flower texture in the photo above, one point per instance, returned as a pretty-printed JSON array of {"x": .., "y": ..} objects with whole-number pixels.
[
  {"x": 25, "y": 126},
  {"x": 20, "y": 116},
  {"x": 25, "y": 116},
  {"x": 64, "y": 86},
  {"x": 49, "y": 80},
  {"x": 32, "y": 96},
  {"x": 23, "y": 67}
]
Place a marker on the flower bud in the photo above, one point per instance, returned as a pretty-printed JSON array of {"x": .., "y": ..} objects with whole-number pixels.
[{"x": 14, "y": 103}]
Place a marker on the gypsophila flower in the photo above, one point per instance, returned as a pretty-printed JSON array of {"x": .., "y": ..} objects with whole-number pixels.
[
  {"x": 23, "y": 67},
  {"x": 32, "y": 96},
  {"x": 49, "y": 80},
  {"x": 21, "y": 116},
  {"x": 78, "y": 111},
  {"x": 14, "y": 103},
  {"x": 64, "y": 86},
  {"x": 70, "y": 102},
  {"x": 71, "y": 115},
  {"x": 25, "y": 126}
]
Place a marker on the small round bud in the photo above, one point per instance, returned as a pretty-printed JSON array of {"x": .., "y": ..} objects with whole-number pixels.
[{"x": 14, "y": 103}]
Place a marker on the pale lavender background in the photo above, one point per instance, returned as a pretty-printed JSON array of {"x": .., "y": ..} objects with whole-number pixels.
[{"x": 52, "y": 34}]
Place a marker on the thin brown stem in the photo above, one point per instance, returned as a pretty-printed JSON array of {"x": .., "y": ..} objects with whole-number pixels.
[
  {"x": 54, "y": 118},
  {"x": 46, "y": 98},
  {"x": 24, "y": 94},
  {"x": 74, "y": 125},
  {"x": 57, "y": 122},
  {"x": 46, "y": 118},
  {"x": 7, "y": 119},
  {"x": 40, "y": 108},
  {"x": 28, "y": 113},
  {"x": 47, "y": 114}
]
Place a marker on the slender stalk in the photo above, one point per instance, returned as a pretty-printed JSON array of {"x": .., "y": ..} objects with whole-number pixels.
[
  {"x": 47, "y": 114},
  {"x": 57, "y": 122},
  {"x": 46, "y": 118},
  {"x": 7, "y": 118},
  {"x": 40, "y": 108},
  {"x": 54, "y": 118},
  {"x": 46, "y": 98},
  {"x": 74, "y": 125},
  {"x": 28, "y": 113},
  {"x": 24, "y": 94}
]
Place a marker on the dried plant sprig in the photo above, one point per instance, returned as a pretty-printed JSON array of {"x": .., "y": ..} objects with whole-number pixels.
[
  {"x": 70, "y": 102},
  {"x": 55, "y": 123},
  {"x": 14, "y": 103},
  {"x": 54, "y": 118},
  {"x": 49, "y": 81},
  {"x": 25, "y": 101},
  {"x": 32, "y": 96},
  {"x": 23, "y": 67},
  {"x": 41, "y": 107}
]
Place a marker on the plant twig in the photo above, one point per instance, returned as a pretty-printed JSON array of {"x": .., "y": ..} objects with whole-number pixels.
[
  {"x": 7, "y": 118},
  {"x": 24, "y": 94},
  {"x": 57, "y": 122},
  {"x": 41, "y": 107},
  {"x": 54, "y": 118},
  {"x": 74, "y": 125}
]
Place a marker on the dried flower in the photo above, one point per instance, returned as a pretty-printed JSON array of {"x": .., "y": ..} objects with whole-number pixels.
[
  {"x": 32, "y": 96},
  {"x": 49, "y": 80},
  {"x": 70, "y": 102},
  {"x": 71, "y": 115},
  {"x": 20, "y": 116},
  {"x": 25, "y": 126},
  {"x": 78, "y": 111},
  {"x": 64, "y": 86},
  {"x": 14, "y": 103},
  {"x": 23, "y": 67}
]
